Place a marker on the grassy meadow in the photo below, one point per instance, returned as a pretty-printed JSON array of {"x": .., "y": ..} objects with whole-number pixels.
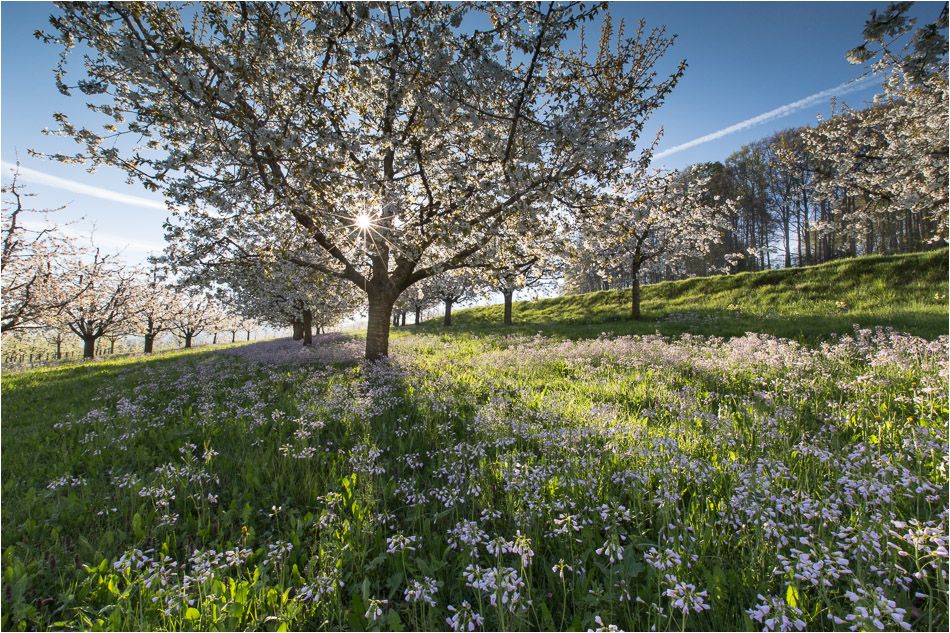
[{"x": 744, "y": 459}]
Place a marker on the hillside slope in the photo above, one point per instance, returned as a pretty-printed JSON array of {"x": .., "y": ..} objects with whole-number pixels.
[{"x": 907, "y": 292}]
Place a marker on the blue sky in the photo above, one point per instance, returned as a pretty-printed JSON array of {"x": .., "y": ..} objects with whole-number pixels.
[{"x": 745, "y": 59}]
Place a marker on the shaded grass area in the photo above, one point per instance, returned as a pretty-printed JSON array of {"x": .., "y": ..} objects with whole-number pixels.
[
  {"x": 33, "y": 400},
  {"x": 906, "y": 292}
]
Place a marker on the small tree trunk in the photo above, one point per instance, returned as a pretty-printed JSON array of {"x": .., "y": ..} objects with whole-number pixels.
[
  {"x": 377, "y": 325},
  {"x": 111, "y": 347},
  {"x": 418, "y": 315},
  {"x": 188, "y": 340},
  {"x": 298, "y": 330},
  {"x": 59, "y": 346},
  {"x": 89, "y": 347},
  {"x": 249, "y": 335},
  {"x": 786, "y": 225},
  {"x": 508, "y": 297},
  {"x": 395, "y": 319},
  {"x": 402, "y": 317},
  {"x": 214, "y": 339},
  {"x": 448, "y": 312},
  {"x": 149, "y": 343},
  {"x": 307, "y": 327},
  {"x": 233, "y": 335},
  {"x": 635, "y": 291}
]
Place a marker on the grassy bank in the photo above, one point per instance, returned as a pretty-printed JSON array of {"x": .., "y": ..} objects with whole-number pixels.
[{"x": 906, "y": 292}]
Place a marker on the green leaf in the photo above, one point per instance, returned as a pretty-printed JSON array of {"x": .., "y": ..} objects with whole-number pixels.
[
  {"x": 192, "y": 614},
  {"x": 137, "y": 528},
  {"x": 393, "y": 623},
  {"x": 394, "y": 581},
  {"x": 547, "y": 622},
  {"x": 791, "y": 596}
]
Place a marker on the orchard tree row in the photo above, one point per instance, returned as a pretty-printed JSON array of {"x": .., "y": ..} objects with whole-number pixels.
[{"x": 55, "y": 290}]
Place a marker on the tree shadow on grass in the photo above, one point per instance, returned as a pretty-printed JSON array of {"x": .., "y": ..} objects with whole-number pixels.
[{"x": 806, "y": 329}]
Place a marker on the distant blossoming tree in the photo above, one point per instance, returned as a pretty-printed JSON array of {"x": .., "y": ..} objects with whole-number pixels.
[
  {"x": 34, "y": 260},
  {"x": 453, "y": 287},
  {"x": 894, "y": 153},
  {"x": 154, "y": 305},
  {"x": 194, "y": 314},
  {"x": 646, "y": 216},
  {"x": 97, "y": 295}
]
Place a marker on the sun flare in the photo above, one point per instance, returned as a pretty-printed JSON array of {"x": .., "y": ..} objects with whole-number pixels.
[{"x": 363, "y": 222}]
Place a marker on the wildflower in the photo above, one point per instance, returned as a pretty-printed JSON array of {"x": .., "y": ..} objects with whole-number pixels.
[
  {"x": 134, "y": 559},
  {"x": 662, "y": 561},
  {"x": 400, "y": 543},
  {"x": 277, "y": 552},
  {"x": 685, "y": 598},
  {"x": 464, "y": 618},
  {"x": 775, "y": 614},
  {"x": 497, "y": 546},
  {"x": 521, "y": 546},
  {"x": 870, "y": 609},
  {"x": 612, "y": 550},
  {"x": 422, "y": 591},
  {"x": 560, "y": 567},
  {"x": 466, "y": 535},
  {"x": 603, "y": 627},
  {"x": 375, "y": 610},
  {"x": 319, "y": 587}
]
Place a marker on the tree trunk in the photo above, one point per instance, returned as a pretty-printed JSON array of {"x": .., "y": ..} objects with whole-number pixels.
[
  {"x": 233, "y": 335},
  {"x": 214, "y": 339},
  {"x": 249, "y": 335},
  {"x": 307, "y": 327},
  {"x": 786, "y": 222},
  {"x": 377, "y": 325},
  {"x": 188, "y": 340},
  {"x": 111, "y": 347},
  {"x": 395, "y": 319},
  {"x": 149, "y": 343},
  {"x": 402, "y": 318},
  {"x": 59, "y": 346},
  {"x": 508, "y": 297},
  {"x": 298, "y": 330},
  {"x": 88, "y": 347},
  {"x": 418, "y": 315},
  {"x": 635, "y": 291},
  {"x": 448, "y": 312}
]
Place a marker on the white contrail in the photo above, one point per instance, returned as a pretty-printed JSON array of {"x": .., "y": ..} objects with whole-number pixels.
[
  {"x": 98, "y": 238},
  {"x": 40, "y": 178},
  {"x": 782, "y": 111}
]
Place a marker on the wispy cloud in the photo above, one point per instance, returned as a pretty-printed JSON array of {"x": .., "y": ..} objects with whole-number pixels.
[
  {"x": 41, "y": 178},
  {"x": 782, "y": 111},
  {"x": 100, "y": 239}
]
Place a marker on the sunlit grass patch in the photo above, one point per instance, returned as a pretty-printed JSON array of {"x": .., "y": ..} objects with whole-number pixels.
[{"x": 907, "y": 292}]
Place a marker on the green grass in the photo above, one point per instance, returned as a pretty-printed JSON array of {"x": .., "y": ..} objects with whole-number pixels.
[
  {"x": 707, "y": 463},
  {"x": 906, "y": 292}
]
